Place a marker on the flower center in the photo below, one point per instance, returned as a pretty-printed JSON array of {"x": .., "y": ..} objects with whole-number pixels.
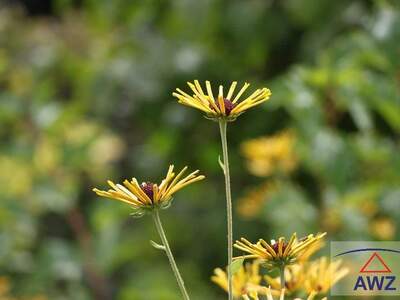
[
  {"x": 276, "y": 247},
  {"x": 147, "y": 188},
  {"x": 228, "y": 106}
]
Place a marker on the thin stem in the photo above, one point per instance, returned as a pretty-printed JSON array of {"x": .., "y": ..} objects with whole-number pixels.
[
  {"x": 282, "y": 271},
  {"x": 222, "y": 127},
  {"x": 157, "y": 221}
]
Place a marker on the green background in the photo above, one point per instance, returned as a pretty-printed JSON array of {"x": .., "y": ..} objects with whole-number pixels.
[{"x": 85, "y": 96}]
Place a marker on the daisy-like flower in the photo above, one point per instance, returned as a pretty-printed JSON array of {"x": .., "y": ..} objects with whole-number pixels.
[
  {"x": 270, "y": 154},
  {"x": 294, "y": 279},
  {"x": 383, "y": 228},
  {"x": 321, "y": 275},
  {"x": 268, "y": 293},
  {"x": 253, "y": 295},
  {"x": 311, "y": 250},
  {"x": 222, "y": 106},
  {"x": 251, "y": 203},
  {"x": 147, "y": 196},
  {"x": 246, "y": 279},
  {"x": 279, "y": 252}
]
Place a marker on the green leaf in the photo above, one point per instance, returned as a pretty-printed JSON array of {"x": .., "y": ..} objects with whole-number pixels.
[
  {"x": 157, "y": 246},
  {"x": 236, "y": 265}
]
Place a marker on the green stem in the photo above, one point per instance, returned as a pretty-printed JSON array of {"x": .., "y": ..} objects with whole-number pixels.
[
  {"x": 282, "y": 271},
  {"x": 222, "y": 127},
  {"x": 157, "y": 221}
]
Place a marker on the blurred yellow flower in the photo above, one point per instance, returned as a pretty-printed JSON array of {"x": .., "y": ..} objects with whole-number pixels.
[
  {"x": 332, "y": 219},
  {"x": 321, "y": 275},
  {"x": 246, "y": 279},
  {"x": 149, "y": 195},
  {"x": 20, "y": 184},
  {"x": 80, "y": 132},
  {"x": 47, "y": 155},
  {"x": 278, "y": 252},
  {"x": 294, "y": 279},
  {"x": 251, "y": 203},
  {"x": 311, "y": 250},
  {"x": 368, "y": 207},
  {"x": 383, "y": 228},
  {"x": 5, "y": 288},
  {"x": 106, "y": 149},
  {"x": 20, "y": 80},
  {"x": 268, "y": 293},
  {"x": 266, "y": 155},
  {"x": 226, "y": 107},
  {"x": 363, "y": 199},
  {"x": 254, "y": 295}
]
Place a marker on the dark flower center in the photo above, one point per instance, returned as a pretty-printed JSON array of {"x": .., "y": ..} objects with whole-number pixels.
[
  {"x": 228, "y": 106},
  {"x": 147, "y": 188},
  {"x": 276, "y": 247}
]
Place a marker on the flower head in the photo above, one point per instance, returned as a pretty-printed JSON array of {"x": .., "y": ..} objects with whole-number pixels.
[
  {"x": 294, "y": 279},
  {"x": 383, "y": 228},
  {"x": 148, "y": 195},
  {"x": 311, "y": 250},
  {"x": 246, "y": 279},
  {"x": 6, "y": 289},
  {"x": 269, "y": 154},
  {"x": 278, "y": 252},
  {"x": 321, "y": 275},
  {"x": 268, "y": 293},
  {"x": 252, "y": 202},
  {"x": 226, "y": 107}
]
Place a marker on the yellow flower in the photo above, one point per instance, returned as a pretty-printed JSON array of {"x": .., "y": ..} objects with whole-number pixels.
[
  {"x": 226, "y": 107},
  {"x": 247, "y": 279},
  {"x": 268, "y": 293},
  {"x": 321, "y": 275},
  {"x": 276, "y": 253},
  {"x": 148, "y": 195},
  {"x": 383, "y": 228},
  {"x": 20, "y": 184},
  {"x": 250, "y": 204},
  {"x": 295, "y": 274},
  {"x": 294, "y": 279},
  {"x": 5, "y": 289},
  {"x": 368, "y": 207},
  {"x": 332, "y": 218},
  {"x": 252, "y": 295},
  {"x": 311, "y": 250},
  {"x": 266, "y": 155},
  {"x": 4, "y": 286}
]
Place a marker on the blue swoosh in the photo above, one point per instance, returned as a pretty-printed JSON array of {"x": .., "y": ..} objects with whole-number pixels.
[{"x": 368, "y": 249}]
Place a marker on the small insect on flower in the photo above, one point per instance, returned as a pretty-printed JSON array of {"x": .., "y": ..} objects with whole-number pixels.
[
  {"x": 280, "y": 252},
  {"x": 226, "y": 107},
  {"x": 147, "y": 196}
]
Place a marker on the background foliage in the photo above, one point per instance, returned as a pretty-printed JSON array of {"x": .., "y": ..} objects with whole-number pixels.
[{"x": 85, "y": 95}]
